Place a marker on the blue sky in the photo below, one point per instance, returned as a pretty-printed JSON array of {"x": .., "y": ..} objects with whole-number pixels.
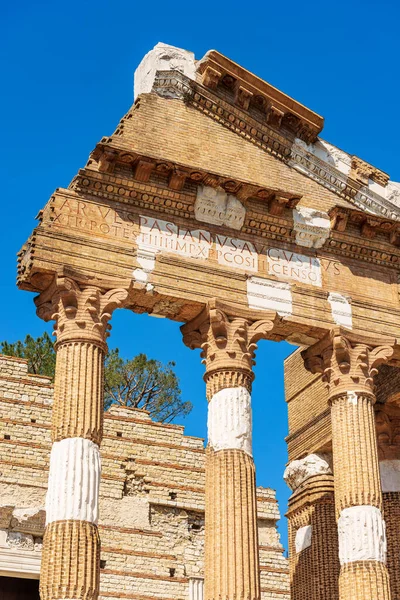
[{"x": 68, "y": 79}]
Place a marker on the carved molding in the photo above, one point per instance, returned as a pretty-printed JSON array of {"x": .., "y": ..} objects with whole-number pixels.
[
  {"x": 169, "y": 83},
  {"x": 362, "y": 171},
  {"x": 280, "y": 109},
  {"x": 348, "y": 362},
  {"x": 80, "y": 313},
  {"x": 273, "y": 224},
  {"x": 228, "y": 342}
]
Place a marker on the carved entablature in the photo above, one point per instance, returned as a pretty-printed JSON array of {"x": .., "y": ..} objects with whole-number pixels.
[
  {"x": 220, "y": 74},
  {"x": 177, "y": 175},
  {"x": 369, "y": 225},
  {"x": 348, "y": 362},
  {"x": 81, "y": 313},
  {"x": 228, "y": 340},
  {"x": 263, "y": 133}
]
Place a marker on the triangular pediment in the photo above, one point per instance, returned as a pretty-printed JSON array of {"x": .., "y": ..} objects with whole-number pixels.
[{"x": 272, "y": 121}]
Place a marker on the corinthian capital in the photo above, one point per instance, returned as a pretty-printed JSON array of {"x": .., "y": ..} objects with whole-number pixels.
[
  {"x": 347, "y": 361},
  {"x": 81, "y": 313},
  {"x": 228, "y": 339}
]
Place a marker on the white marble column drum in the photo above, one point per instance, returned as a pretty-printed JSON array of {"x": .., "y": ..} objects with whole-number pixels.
[
  {"x": 229, "y": 420},
  {"x": 74, "y": 481}
]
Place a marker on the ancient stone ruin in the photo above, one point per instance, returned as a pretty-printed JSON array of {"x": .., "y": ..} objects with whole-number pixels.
[{"x": 217, "y": 204}]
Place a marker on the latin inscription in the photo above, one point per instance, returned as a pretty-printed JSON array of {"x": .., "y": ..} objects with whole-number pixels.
[
  {"x": 290, "y": 265},
  {"x": 163, "y": 235},
  {"x": 157, "y": 235}
]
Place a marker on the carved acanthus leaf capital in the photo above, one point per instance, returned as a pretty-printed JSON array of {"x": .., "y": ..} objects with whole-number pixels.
[
  {"x": 228, "y": 338},
  {"x": 79, "y": 312},
  {"x": 348, "y": 362}
]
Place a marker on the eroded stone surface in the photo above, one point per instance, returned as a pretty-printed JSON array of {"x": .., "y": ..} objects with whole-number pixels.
[
  {"x": 299, "y": 470},
  {"x": 229, "y": 420},
  {"x": 312, "y": 227},
  {"x": 74, "y": 481},
  {"x": 162, "y": 57},
  {"x": 362, "y": 534},
  {"x": 219, "y": 208}
]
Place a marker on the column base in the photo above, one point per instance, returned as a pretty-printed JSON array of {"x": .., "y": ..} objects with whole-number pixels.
[
  {"x": 364, "y": 580},
  {"x": 70, "y": 562}
]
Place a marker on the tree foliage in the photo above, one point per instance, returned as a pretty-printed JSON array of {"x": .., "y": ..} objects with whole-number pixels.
[
  {"x": 39, "y": 353},
  {"x": 144, "y": 383},
  {"x": 139, "y": 382}
]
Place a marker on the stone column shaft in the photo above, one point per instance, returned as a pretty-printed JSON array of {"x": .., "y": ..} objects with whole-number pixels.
[
  {"x": 313, "y": 538},
  {"x": 71, "y": 547},
  {"x": 231, "y": 545},
  {"x": 348, "y": 364},
  {"x": 228, "y": 342}
]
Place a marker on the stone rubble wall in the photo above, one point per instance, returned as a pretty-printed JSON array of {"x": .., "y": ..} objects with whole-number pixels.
[{"x": 151, "y": 496}]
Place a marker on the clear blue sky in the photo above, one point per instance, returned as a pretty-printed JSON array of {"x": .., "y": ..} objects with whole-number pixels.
[{"x": 67, "y": 80}]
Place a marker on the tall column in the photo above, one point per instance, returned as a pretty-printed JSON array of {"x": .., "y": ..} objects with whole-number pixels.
[
  {"x": 228, "y": 342},
  {"x": 348, "y": 364},
  {"x": 71, "y": 547}
]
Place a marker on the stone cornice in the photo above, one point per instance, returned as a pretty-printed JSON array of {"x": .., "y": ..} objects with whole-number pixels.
[
  {"x": 108, "y": 153},
  {"x": 279, "y": 108},
  {"x": 266, "y": 216},
  {"x": 172, "y": 84}
]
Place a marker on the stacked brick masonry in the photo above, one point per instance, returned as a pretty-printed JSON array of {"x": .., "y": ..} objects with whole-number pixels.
[
  {"x": 151, "y": 498},
  {"x": 310, "y": 431}
]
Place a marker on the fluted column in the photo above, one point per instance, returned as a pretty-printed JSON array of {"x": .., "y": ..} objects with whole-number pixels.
[
  {"x": 71, "y": 547},
  {"x": 313, "y": 539},
  {"x": 228, "y": 342},
  {"x": 348, "y": 364}
]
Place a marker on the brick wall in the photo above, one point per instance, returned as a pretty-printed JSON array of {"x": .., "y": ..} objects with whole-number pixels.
[{"x": 151, "y": 496}]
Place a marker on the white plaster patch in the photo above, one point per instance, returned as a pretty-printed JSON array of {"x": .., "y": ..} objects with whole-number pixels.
[
  {"x": 362, "y": 534},
  {"x": 329, "y": 154},
  {"x": 390, "y": 475},
  {"x": 74, "y": 479},
  {"x": 298, "y": 471},
  {"x": 298, "y": 267},
  {"x": 312, "y": 227},
  {"x": 229, "y": 420},
  {"x": 341, "y": 309},
  {"x": 393, "y": 192},
  {"x": 266, "y": 294},
  {"x": 236, "y": 253},
  {"x": 352, "y": 398},
  {"x": 146, "y": 257},
  {"x": 303, "y": 538},
  {"x": 162, "y": 57},
  {"x": 217, "y": 207},
  {"x": 377, "y": 188}
]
